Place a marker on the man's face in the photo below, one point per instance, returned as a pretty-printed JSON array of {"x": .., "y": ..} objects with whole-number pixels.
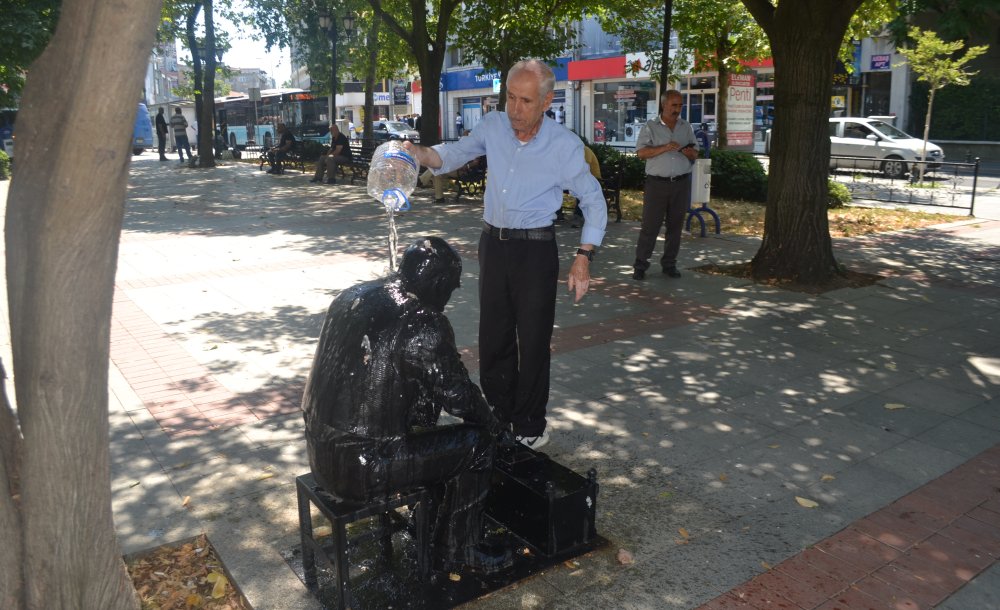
[
  {"x": 525, "y": 106},
  {"x": 671, "y": 109},
  {"x": 334, "y": 131}
]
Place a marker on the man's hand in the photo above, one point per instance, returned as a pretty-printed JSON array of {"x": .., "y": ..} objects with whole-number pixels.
[
  {"x": 579, "y": 277},
  {"x": 424, "y": 155}
]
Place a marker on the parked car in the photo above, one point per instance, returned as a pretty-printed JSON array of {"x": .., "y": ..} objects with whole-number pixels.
[
  {"x": 891, "y": 150},
  {"x": 394, "y": 130}
]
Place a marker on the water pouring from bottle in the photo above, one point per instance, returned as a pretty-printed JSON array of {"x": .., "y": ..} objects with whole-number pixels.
[{"x": 392, "y": 176}]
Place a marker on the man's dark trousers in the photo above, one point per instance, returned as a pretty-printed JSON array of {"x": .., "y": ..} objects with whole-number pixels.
[
  {"x": 517, "y": 300},
  {"x": 662, "y": 200}
]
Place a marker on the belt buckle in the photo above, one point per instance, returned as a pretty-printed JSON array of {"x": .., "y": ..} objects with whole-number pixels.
[{"x": 502, "y": 238}]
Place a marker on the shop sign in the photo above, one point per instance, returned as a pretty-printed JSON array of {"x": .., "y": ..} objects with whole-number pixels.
[
  {"x": 383, "y": 98},
  {"x": 881, "y": 62},
  {"x": 740, "y": 110}
]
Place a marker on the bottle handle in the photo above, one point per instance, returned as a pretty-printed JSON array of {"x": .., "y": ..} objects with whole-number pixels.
[{"x": 395, "y": 199}]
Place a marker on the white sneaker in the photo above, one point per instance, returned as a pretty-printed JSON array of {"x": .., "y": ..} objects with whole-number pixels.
[{"x": 534, "y": 442}]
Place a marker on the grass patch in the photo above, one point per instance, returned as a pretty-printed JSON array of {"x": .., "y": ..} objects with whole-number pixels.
[{"x": 745, "y": 218}]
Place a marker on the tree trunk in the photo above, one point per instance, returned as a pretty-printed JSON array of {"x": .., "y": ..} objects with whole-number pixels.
[
  {"x": 430, "y": 78},
  {"x": 196, "y": 71},
  {"x": 668, "y": 13},
  {"x": 927, "y": 135},
  {"x": 206, "y": 114},
  {"x": 64, "y": 215},
  {"x": 372, "y": 46},
  {"x": 805, "y": 37}
]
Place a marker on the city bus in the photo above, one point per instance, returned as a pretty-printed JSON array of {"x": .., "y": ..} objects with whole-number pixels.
[{"x": 255, "y": 123}]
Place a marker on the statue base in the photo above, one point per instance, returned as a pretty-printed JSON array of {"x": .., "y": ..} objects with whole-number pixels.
[{"x": 548, "y": 509}]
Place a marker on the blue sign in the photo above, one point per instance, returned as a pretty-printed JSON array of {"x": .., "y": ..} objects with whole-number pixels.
[
  {"x": 881, "y": 62},
  {"x": 475, "y": 78}
]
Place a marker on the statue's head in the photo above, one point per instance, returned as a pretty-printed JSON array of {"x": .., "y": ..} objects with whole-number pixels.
[{"x": 431, "y": 270}]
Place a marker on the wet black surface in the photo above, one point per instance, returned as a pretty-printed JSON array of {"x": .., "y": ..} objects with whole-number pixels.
[{"x": 379, "y": 585}]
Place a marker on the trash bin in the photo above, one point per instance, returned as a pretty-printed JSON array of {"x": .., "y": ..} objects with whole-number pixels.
[{"x": 701, "y": 181}]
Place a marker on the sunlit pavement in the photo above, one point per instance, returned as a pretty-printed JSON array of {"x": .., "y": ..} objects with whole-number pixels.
[{"x": 755, "y": 447}]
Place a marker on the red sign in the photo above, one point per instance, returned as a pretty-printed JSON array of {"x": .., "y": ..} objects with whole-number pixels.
[{"x": 588, "y": 69}]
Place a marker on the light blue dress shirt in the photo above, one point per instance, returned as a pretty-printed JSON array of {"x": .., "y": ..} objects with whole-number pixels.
[{"x": 526, "y": 180}]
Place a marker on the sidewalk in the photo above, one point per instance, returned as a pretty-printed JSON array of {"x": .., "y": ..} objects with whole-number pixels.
[{"x": 706, "y": 404}]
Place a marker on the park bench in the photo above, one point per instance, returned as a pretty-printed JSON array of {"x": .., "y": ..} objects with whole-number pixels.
[
  {"x": 470, "y": 179},
  {"x": 611, "y": 186},
  {"x": 361, "y": 159},
  {"x": 292, "y": 159}
]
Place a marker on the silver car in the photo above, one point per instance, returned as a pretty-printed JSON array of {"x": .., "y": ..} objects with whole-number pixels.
[
  {"x": 394, "y": 130},
  {"x": 890, "y": 150}
]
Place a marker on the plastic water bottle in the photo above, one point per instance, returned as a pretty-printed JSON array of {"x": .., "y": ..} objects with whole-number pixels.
[{"x": 392, "y": 176}]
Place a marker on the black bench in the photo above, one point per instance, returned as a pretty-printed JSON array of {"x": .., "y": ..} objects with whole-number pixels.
[
  {"x": 292, "y": 158},
  {"x": 470, "y": 179},
  {"x": 611, "y": 185},
  {"x": 341, "y": 513},
  {"x": 361, "y": 160}
]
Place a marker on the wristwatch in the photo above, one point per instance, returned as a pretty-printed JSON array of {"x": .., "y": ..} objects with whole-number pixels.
[{"x": 588, "y": 253}]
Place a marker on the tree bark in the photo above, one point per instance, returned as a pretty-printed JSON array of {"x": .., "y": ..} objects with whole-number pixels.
[
  {"x": 668, "y": 13},
  {"x": 805, "y": 37},
  {"x": 722, "y": 104},
  {"x": 64, "y": 214},
  {"x": 372, "y": 45},
  {"x": 206, "y": 114}
]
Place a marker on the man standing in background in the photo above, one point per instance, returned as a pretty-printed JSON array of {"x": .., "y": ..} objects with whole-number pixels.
[{"x": 161, "y": 134}]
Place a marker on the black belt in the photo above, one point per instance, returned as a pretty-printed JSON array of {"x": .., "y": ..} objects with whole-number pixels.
[
  {"x": 541, "y": 233},
  {"x": 670, "y": 178}
]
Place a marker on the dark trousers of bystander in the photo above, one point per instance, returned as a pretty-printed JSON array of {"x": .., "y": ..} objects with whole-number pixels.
[
  {"x": 162, "y": 145},
  {"x": 517, "y": 300},
  {"x": 667, "y": 201}
]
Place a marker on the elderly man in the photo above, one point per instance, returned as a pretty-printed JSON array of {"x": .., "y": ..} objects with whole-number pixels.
[
  {"x": 532, "y": 160},
  {"x": 339, "y": 154},
  {"x": 385, "y": 367},
  {"x": 668, "y": 146},
  {"x": 279, "y": 153}
]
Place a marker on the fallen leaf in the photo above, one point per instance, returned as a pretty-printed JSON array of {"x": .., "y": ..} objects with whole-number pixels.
[
  {"x": 266, "y": 475},
  {"x": 806, "y": 502},
  {"x": 666, "y": 494},
  {"x": 774, "y": 446},
  {"x": 723, "y": 477},
  {"x": 454, "y": 577},
  {"x": 187, "y": 500},
  {"x": 827, "y": 477},
  {"x": 586, "y": 337},
  {"x": 625, "y": 558},
  {"x": 892, "y": 406},
  {"x": 765, "y": 565},
  {"x": 194, "y": 601},
  {"x": 571, "y": 564},
  {"x": 220, "y": 580},
  {"x": 684, "y": 533},
  {"x": 322, "y": 530},
  {"x": 682, "y": 541}
]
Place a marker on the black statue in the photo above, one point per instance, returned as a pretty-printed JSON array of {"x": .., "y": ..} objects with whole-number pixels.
[{"x": 385, "y": 366}]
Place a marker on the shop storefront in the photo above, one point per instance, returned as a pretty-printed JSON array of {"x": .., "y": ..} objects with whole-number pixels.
[{"x": 471, "y": 93}]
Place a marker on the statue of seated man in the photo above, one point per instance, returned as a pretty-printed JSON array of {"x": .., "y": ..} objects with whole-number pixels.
[{"x": 385, "y": 367}]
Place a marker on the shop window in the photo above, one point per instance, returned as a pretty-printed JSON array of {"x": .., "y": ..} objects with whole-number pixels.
[{"x": 620, "y": 109}]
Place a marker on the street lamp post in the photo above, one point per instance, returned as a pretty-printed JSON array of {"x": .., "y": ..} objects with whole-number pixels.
[{"x": 329, "y": 24}]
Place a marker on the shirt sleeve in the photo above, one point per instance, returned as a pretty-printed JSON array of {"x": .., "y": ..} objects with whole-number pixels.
[
  {"x": 456, "y": 154},
  {"x": 645, "y": 137},
  {"x": 587, "y": 189}
]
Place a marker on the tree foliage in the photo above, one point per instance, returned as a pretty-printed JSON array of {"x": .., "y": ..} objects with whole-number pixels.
[
  {"x": 499, "y": 33},
  {"x": 25, "y": 29},
  {"x": 424, "y": 26},
  {"x": 714, "y": 36},
  {"x": 934, "y": 62}
]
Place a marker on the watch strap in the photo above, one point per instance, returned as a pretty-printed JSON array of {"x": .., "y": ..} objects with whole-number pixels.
[{"x": 588, "y": 253}]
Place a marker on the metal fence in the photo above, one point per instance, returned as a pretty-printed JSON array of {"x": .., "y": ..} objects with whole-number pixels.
[{"x": 944, "y": 184}]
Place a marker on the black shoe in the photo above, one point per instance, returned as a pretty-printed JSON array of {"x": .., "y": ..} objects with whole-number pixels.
[
  {"x": 439, "y": 200},
  {"x": 331, "y": 181},
  {"x": 273, "y": 171},
  {"x": 164, "y": 159},
  {"x": 315, "y": 180},
  {"x": 639, "y": 274},
  {"x": 671, "y": 272}
]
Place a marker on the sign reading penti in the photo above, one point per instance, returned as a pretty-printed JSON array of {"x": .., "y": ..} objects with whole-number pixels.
[{"x": 739, "y": 111}]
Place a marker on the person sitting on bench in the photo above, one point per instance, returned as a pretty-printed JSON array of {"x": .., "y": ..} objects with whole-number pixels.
[
  {"x": 280, "y": 152},
  {"x": 340, "y": 154},
  {"x": 385, "y": 366}
]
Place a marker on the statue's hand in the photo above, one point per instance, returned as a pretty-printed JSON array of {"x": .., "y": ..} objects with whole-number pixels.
[{"x": 506, "y": 438}]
